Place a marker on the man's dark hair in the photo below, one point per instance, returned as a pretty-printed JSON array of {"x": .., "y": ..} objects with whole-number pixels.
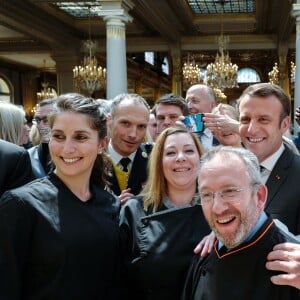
[
  {"x": 172, "y": 99},
  {"x": 267, "y": 89}
]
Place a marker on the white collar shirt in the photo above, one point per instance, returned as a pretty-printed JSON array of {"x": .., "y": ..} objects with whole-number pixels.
[
  {"x": 116, "y": 157},
  {"x": 207, "y": 139},
  {"x": 270, "y": 162}
]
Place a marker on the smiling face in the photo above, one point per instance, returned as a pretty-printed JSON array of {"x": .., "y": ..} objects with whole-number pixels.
[
  {"x": 231, "y": 221},
  {"x": 260, "y": 127},
  {"x": 199, "y": 100},
  {"x": 73, "y": 149},
  {"x": 180, "y": 161},
  {"x": 227, "y": 137},
  {"x": 128, "y": 126}
]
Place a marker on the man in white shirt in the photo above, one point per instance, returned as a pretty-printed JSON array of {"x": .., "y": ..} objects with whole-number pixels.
[{"x": 202, "y": 99}]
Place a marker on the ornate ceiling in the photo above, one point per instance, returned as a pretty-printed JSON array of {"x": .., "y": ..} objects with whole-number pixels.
[{"x": 260, "y": 30}]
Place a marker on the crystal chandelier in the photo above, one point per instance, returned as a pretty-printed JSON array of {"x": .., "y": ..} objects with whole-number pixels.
[
  {"x": 46, "y": 92},
  {"x": 90, "y": 77},
  {"x": 293, "y": 73},
  {"x": 220, "y": 95},
  {"x": 190, "y": 71},
  {"x": 222, "y": 73},
  {"x": 274, "y": 75}
]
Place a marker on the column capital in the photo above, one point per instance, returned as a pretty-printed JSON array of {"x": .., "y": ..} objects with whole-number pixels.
[
  {"x": 296, "y": 10},
  {"x": 117, "y": 10}
]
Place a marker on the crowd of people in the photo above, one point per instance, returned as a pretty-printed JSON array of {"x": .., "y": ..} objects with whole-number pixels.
[{"x": 99, "y": 208}]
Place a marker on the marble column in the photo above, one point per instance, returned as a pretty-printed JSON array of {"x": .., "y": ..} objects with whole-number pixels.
[
  {"x": 296, "y": 13},
  {"x": 116, "y": 16}
]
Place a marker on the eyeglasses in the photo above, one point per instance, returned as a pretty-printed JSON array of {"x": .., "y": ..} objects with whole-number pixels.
[
  {"x": 39, "y": 120},
  {"x": 227, "y": 195}
]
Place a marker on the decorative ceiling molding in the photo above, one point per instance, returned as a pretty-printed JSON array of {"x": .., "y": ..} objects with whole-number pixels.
[{"x": 38, "y": 25}]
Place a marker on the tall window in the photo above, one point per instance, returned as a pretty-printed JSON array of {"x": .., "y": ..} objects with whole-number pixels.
[
  {"x": 5, "y": 92},
  {"x": 248, "y": 75},
  {"x": 165, "y": 66},
  {"x": 149, "y": 57}
]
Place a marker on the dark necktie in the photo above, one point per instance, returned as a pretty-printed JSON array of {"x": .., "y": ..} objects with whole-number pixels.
[
  {"x": 262, "y": 168},
  {"x": 124, "y": 162}
]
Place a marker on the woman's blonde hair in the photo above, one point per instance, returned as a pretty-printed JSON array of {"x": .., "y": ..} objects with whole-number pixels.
[
  {"x": 34, "y": 135},
  {"x": 12, "y": 120},
  {"x": 156, "y": 186}
]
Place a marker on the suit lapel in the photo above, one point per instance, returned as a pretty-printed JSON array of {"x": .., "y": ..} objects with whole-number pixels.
[
  {"x": 138, "y": 170},
  {"x": 279, "y": 174},
  {"x": 137, "y": 175}
]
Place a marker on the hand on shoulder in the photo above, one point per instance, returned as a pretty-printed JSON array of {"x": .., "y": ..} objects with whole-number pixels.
[{"x": 285, "y": 258}]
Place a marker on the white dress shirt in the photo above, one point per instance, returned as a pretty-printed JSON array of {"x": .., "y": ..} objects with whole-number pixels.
[
  {"x": 207, "y": 139},
  {"x": 270, "y": 162},
  {"x": 116, "y": 157}
]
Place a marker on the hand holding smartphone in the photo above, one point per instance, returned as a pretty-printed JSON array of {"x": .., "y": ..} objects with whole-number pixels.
[{"x": 194, "y": 123}]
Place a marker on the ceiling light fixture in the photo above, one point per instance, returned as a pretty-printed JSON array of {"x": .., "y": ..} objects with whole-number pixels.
[
  {"x": 190, "y": 71},
  {"x": 46, "y": 92},
  {"x": 293, "y": 73},
  {"x": 274, "y": 75},
  {"x": 90, "y": 77},
  {"x": 222, "y": 73}
]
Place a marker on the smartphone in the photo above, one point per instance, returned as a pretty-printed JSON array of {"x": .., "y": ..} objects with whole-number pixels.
[{"x": 194, "y": 123}]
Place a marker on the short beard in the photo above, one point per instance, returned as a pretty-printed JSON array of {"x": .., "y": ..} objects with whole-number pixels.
[{"x": 248, "y": 221}]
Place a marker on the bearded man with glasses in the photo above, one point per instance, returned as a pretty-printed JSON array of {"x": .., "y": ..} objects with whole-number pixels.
[{"x": 233, "y": 198}]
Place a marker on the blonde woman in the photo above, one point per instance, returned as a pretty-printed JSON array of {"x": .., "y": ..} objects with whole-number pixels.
[
  {"x": 13, "y": 124},
  {"x": 227, "y": 136},
  {"x": 162, "y": 226}
]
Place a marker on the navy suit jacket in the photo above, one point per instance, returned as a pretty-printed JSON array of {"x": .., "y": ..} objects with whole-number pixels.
[
  {"x": 138, "y": 174},
  {"x": 283, "y": 184},
  {"x": 15, "y": 167}
]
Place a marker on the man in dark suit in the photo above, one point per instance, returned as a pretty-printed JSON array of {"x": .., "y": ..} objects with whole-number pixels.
[
  {"x": 264, "y": 118},
  {"x": 127, "y": 125},
  {"x": 15, "y": 166}
]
